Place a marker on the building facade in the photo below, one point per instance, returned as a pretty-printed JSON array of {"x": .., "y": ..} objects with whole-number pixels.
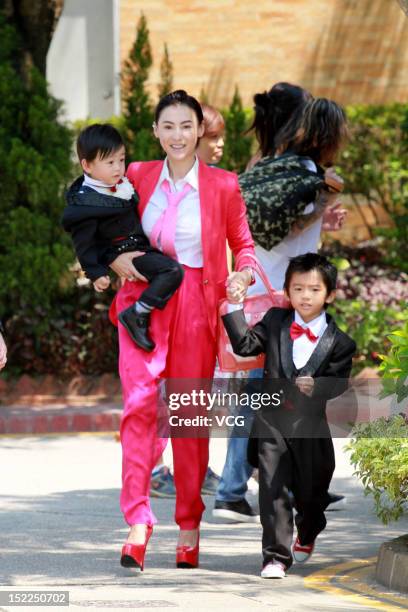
[
  {"x": 83, "y": 65},
  {"x": 355, "y": 51}
]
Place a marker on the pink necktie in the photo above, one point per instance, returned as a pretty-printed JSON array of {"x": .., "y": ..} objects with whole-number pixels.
[{"x": 165, "y": 226}]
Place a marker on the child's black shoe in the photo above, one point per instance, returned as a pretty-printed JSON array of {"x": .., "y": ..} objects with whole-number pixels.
[{"x": 137, "y": 326}]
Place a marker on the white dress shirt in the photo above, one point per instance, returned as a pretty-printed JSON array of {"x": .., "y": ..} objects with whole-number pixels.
[
  {"x": 275, "y": 261},
  {"x": 302, "y": 346},
  {"x": 188, "y": 228},
  {"x": 124, "y": 189}
]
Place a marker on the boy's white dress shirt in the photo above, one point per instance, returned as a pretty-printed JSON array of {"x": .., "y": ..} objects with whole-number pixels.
[{"x": 302, "y": 346}]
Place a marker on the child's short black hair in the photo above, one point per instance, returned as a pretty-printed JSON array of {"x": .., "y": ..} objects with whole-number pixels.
[
  {"x": 98, "y": 139},
  {"x": 312, "y": 261}
]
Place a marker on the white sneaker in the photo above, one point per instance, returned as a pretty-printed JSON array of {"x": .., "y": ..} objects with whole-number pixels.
[
  {"x": 273, "y": 569},
  {"x": 301, "y": 553}
]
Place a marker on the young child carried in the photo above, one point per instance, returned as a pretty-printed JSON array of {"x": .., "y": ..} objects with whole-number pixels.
[{"x": 101, "y": 216}]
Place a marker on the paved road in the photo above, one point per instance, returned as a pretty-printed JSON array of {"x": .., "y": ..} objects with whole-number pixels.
[{"x": 60, "y": 527}]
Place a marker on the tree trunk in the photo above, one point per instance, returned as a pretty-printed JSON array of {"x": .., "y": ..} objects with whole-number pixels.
[{"x": 35, "y": 21}]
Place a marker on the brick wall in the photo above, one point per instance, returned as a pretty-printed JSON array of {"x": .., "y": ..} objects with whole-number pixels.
[{"x": 355, "y": 51}]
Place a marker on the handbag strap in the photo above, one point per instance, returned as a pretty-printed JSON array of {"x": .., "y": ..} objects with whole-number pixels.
[{"x": 261, "y": 273}]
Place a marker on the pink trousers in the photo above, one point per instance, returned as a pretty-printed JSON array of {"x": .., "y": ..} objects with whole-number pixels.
[{"x": 185, "y": 348}]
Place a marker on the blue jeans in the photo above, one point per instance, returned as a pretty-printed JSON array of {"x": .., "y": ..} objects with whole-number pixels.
[{"x": 237, "y": 471}]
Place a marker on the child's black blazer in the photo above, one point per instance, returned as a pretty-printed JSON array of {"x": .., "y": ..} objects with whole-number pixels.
[{"x": 94, "y": 220}]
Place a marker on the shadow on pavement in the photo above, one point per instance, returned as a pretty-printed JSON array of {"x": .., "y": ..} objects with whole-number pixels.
[{"x": 75, "y": 537}]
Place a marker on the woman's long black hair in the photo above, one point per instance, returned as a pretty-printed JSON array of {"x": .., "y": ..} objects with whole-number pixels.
[{"x": 273, "y": 109}]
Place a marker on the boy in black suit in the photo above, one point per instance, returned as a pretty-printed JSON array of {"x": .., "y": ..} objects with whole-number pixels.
[
  {"x": 308, "y": 361},
  {"x": 103, "y": 221}
]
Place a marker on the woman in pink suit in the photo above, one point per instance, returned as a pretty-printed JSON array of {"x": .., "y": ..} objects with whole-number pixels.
[{"x": 209, "y": 210}]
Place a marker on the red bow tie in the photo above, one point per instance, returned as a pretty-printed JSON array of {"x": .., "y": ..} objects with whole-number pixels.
[
  {"x": 297, "y": 330},
  {"x": 114, "y": 187}
]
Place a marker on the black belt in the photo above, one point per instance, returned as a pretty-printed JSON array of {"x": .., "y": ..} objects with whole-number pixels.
[{"x": 122, "y": 245}]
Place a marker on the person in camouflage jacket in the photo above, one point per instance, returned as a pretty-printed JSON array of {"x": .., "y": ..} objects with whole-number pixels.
[{"x": 276, "y": 191}]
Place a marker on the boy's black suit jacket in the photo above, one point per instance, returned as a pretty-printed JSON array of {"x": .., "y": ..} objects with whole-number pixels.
[
  {"x": 330, "y": 366},
  {"x": 94, "y": 220}
]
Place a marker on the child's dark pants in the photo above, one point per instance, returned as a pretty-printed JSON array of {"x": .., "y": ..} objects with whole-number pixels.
[
  {"x": 164, "y": 276},
  {"x": 305, "y": 467}
]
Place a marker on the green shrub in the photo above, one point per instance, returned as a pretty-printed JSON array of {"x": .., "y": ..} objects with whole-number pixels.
[
  {"x": 368, "y": 325},
  {"x": 72, "y": 338},
  {"x": 139, "y": 110},
  {"x": 394, "y": 365},
  {"x": 237, "y": 149},
  {"x": 376, "y": 173},
  {"x": 371, "y": 299},
  {"x": 394, "y": 242},
  {"x": 379, "y": 452},
  {"x": 35, "y": 162},
  {"x": 374, "y": 161},
  {"x": 166, "y": 74}
]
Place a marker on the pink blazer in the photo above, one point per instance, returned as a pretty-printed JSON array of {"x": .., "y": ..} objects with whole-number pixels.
[{"x": 223, "y": 217}]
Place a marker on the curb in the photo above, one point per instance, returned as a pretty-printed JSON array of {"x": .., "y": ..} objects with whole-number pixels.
[
  {"x": 355, "y": 583},
  {"x": 50, "y": 404},
  {"x": 392, "y": 564},
  {"x": 27, "y": 420}
]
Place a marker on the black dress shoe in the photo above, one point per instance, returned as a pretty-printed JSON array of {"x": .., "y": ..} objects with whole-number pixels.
[
  {"x": 238, "y": 511},
  {"x": 337, "y": 502},
  {"x": 137, "y": 326}
]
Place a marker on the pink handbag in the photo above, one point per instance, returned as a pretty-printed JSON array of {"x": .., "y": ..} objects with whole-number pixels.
[{"x": 255, "y": 306}]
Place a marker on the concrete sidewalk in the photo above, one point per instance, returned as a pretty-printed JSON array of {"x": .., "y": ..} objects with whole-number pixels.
[{"x": 61, "y": 528}]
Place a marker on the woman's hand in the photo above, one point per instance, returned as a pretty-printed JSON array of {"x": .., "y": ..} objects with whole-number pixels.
[
  {"x": 237, "y": 286},
  {"x": 325, "y": 199},
  {"x": 333, "y": 218},
  {"x": 123, "y": 266},
  {"x": 3, "y": 352}
]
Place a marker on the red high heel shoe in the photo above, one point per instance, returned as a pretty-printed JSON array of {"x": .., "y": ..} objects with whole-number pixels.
[
  {"x": 133, "y": 554},
  {"x": 187, "y": 556}
]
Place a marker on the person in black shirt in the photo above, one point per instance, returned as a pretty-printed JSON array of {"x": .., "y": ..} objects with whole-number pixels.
[{"x": 101, "y": 216}]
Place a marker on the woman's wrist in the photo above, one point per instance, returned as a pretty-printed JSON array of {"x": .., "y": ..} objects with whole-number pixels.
[{"x": 249, "y": 275}]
